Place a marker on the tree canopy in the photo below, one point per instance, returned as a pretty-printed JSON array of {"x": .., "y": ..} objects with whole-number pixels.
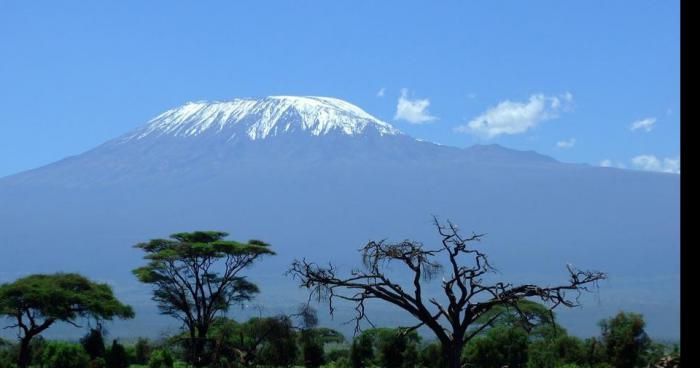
[
  {"x": 197, "y": 275},
  {"x": 36, "y": 302}
]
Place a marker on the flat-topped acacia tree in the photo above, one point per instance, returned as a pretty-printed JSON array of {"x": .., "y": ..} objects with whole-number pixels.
[
  {"x": 36, "y": 302},
  {"x": 468, "y": 298},
  {"x": 197, "y": 275}
]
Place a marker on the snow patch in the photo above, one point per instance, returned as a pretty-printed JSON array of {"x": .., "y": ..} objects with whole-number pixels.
[{"x": 261, "y": 118}]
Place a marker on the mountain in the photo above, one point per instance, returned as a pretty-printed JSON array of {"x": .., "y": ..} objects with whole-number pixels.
[{"x": 318, "y": 177}]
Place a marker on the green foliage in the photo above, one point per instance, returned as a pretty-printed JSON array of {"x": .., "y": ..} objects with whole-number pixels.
[
  {"x": 161, "y": 358},
  {"x": 116, "y": 357},
  {"x": 312, "y": 349},
  {"x": 339, "y": 356},
  {"x": 385, "y": 347},
  {"x": 142, "y": 351},
  {"x": 8, "y": 353},
  {"x": 281, "y": 348},
  {"x": 98, "y": 363},
  {"x": 556, "y": 352},
  {"x": 269, "y": 340},
  {"x": 197, "y": 276},
  {"x": 500, "y": 346},
  {"x": 625, "y": 340},
  {"x": 58, "y": 354},
  {"x": 524, "y": 313},
  {"x": 61, "y": 296},
  {"x": 93, "y": 343},
  {"x": 431, "y": 356},
  {"x": 37, "y": 301},
  {"x": 328, "y": 335},
  {"x": 362, "y": 351}
]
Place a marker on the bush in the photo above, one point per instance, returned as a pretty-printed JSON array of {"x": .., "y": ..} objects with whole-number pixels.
[
  {"x": 93, "y": 343},
  {"x": 500, "y": 346},
  {"x": 431, "y": 356},
  {"x": 98, "y": 363},
  {"x": 338, "y": 354},
  {"x": 312, "y": 352},
  {"x": 625, "y": 340},
  {"x": 557, "y": 352},
  {"x": 361, "y": 352},
  {"x": 142, "y": 351},
  {"x": 116, "y": 356},
  {"x": 160, "y": 359},
  {"x": 64, "y": 355}
]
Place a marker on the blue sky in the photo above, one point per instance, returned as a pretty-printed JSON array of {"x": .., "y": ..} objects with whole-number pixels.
[{"x": 565, "y": 79}]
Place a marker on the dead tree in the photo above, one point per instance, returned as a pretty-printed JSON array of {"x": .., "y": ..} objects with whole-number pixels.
[{"x": 467, "y": 296}]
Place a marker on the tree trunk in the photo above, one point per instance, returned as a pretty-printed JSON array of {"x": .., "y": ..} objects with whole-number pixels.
[
  {"x": 24, "y": 357},
  {"x": 453, "y": 355},
  {"x": 200, "y": 348}
]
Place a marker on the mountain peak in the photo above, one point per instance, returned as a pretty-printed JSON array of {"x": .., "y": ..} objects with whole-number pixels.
[{"x": 257, "y": 119}]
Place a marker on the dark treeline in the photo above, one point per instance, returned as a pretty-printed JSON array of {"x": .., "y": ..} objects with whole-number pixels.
[{"x": 196, "y": 278}]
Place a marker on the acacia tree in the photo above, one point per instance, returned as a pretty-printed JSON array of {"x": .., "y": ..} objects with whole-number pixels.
[
  {"x": 467, "y": 294},
  {"x": 36, "y": 302},
  {"x": 197, "y": 275}
]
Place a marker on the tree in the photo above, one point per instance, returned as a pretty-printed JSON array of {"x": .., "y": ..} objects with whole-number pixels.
[
  {"x": 260, "y": 340},
  {"x": 312, "y": 349},
  {"x": 197, "y": 275},
  {"x": 116, "y": 356},
  {"x": 142, "y": 351},
  {"x": 362, "y": 351},
  {"x": 431, "y": 356},
  {"x": 36, "y": 302},
  {"x": 555, "y": 351},
  {"x": 625, "y": 339},
  {"x": 395, "y": 347},
  {"x": 467, "y": 296},
  {"x": 93, "y": 343},
  {"x": 500, "y": 346}
]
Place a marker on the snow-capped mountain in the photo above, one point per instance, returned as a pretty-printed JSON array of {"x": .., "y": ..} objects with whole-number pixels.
[
  {"x": 317, "y": 177},
  {"x": 257, "y": 119}
]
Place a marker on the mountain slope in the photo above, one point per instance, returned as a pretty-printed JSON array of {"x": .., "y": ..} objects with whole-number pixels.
[{"x": 317, "y": 179}]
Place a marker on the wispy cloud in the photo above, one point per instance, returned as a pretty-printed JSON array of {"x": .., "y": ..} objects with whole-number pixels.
[
  {"x": 413, "y": 111},
  {"x": 653, "y": 163},
  {"x": 609, "y": 163},
  {"x": 645, "y": 124},
  {"x": 565, "y": 144},
  {"x": 512, "y": 117},
  {"x": 381, "y": 92}
]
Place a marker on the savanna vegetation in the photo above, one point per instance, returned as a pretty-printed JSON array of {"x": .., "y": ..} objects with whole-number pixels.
[{"x": 464, "y": 317}]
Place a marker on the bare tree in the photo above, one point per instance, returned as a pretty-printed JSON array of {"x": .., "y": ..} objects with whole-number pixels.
[{"x": 467, "y": 296}]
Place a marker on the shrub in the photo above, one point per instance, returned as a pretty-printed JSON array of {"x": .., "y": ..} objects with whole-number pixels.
[
  {"x": 160, "y": 359},
  {"x": 64, "y": 355},
  {"x": 116, "y": 356}
]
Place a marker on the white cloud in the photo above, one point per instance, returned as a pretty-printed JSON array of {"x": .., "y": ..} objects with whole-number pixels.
[
  {"x": 381, "y": 91},
  {"x": 413, "y": 111},
  {"x": 509, "y": 117},
  {"x": 653, "y": 163},
  {"x": 645, "y": 124},
  {"x": 609, "y": 163},
  {"x": 569, "y": 143}
]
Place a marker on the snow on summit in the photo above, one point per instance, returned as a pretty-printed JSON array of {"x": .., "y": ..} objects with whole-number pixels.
[{"x": 260, "y": 118}]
